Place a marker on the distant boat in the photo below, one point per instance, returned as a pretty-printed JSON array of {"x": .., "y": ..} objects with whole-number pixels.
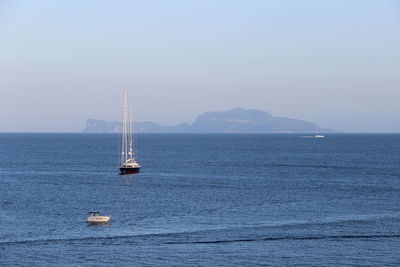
[
  {"x": 128, "y": 162},
  {"x": 319, "y": 136},
  {"x": 95, "y": 218}
]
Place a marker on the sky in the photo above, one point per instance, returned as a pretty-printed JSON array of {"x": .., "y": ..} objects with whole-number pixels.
[{"x": 335, "y": 63}]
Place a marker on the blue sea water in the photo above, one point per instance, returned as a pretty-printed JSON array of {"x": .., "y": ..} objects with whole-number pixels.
[{"x": 201, "y": 200}]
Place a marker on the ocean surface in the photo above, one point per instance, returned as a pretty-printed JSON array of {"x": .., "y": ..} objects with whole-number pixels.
[{"x": 201, "y": 200}]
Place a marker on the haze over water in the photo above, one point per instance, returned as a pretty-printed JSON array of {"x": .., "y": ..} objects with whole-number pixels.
[{"x": 334, "y": 63}]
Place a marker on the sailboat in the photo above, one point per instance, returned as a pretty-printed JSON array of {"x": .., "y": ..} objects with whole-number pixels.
[{"x": 128, "y": 163}]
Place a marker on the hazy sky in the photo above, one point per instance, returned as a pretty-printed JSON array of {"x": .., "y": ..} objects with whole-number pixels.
[{"x": 336, "y": 63}]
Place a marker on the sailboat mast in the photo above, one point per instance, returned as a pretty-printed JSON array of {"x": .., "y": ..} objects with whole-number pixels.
[
  {"x": 126, "y": 126},
  {"x": 128, "y": 135},
  {"x": 123, "y": 148},
  {"x": 131, "y": 136}
]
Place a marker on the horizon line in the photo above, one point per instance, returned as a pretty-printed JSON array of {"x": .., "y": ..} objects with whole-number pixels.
[{"x": 230, "y": 133}]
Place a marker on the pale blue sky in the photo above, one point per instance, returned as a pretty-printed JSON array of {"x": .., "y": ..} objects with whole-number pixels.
[{"x": 336, "y": 63}]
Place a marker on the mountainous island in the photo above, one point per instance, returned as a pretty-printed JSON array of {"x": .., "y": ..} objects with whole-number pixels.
[{"x": 236, "y": 120}]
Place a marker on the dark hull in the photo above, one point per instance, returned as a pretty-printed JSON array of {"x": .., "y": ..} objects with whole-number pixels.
[{"x": 125, "y": 170}]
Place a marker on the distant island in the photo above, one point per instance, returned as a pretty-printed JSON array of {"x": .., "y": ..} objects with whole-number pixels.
[{"x": 236, "y": 120}]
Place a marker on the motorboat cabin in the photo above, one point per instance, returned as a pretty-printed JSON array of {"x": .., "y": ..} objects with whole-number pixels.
[{"x": 95, "y": 217}]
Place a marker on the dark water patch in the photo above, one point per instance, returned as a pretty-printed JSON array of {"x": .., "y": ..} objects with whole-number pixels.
[
  {"x": 130, "y": 239},
  {"x": 294, "y": 238}
]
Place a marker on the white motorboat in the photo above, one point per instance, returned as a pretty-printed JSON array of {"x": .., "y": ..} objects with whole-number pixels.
[
  {"x": 95, "y": 217},
  {"x": 319, "y": 136}
]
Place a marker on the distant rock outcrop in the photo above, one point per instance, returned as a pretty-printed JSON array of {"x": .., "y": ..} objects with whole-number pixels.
[{"x": 236, "y": 120}]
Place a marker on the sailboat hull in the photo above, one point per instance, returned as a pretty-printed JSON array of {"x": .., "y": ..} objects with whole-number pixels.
[{"x": 129, "y": 170}]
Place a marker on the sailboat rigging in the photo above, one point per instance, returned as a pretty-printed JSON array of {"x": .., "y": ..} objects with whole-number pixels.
[{"x": 128, "y": 162}]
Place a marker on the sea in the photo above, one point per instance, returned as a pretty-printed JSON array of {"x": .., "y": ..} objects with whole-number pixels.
[{"x": 201, "y": 200}]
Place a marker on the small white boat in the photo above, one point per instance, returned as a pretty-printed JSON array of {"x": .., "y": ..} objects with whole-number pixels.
[
  {"x": 319, "y": 136},
  {"x": 95, "y": 217}
]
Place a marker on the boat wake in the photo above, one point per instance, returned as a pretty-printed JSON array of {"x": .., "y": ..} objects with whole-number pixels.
[
  {"x": 255, "y": 233},
  {"x": 129, "y": 239},
  {"x": 294, "y": 238}
]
